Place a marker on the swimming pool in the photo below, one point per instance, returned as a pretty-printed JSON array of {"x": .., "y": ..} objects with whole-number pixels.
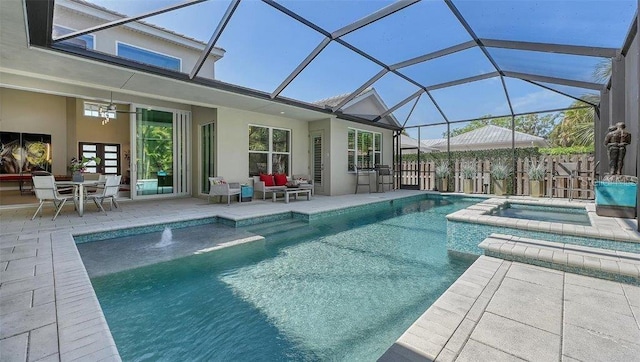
[
  {"x": 569, "y": 215},
  {"x": 343, "y": 287}
]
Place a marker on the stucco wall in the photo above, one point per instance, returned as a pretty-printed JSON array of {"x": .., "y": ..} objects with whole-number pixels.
[
  {"x": 105, "y": 41},
  {"x": 232, "y": 139},
  {"x": 22, "y": 111},
  {"x": 342, "y": 181},
  {"x": 632, "y": 99},
  {"x": 90, "y": 129},
  {"x": 200, "y": 116}
]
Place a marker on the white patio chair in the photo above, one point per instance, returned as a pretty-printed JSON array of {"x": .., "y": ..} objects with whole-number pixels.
[
  {"x": 46, "y": 190},
  {"x": 219, "y": 187},
  {"x": 109, "y": 191}
]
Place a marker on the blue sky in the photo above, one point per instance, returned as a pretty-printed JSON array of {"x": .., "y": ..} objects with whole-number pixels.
[{"x": 263, "y": 46}]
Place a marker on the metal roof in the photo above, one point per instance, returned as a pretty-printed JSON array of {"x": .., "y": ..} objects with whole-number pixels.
[{"x": 490, "y": 137}]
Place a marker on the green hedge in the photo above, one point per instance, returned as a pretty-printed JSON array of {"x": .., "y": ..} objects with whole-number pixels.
[{"x": 503, "y": 153}]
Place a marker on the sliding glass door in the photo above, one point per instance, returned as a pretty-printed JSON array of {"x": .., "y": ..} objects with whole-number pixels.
[{"x": 161, "y": 152}]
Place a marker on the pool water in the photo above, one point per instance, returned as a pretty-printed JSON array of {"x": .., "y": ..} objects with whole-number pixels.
[
  {"x": 568, "y": 215},
  {"x": 339, "y": 288}
]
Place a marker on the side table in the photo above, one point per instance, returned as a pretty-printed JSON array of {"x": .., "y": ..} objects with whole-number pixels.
[{"x": 246, "y": 193}]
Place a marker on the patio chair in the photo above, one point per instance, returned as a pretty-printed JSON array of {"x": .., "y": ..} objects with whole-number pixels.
[
  {"x": 384, "y": 176},
  {"x": 567, "y": 172},
  {"x": 219, "y": 187},
  {"x": 46, "y": 190},
  {"x": 109, "y": 191}
]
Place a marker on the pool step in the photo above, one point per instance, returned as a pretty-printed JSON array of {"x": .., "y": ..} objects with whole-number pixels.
[
  {"x": 602, "y": 263},
  {"x": 277, "y": 227}
]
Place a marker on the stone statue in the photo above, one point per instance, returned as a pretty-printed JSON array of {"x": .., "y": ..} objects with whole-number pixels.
[
  {"x": 616, "y": 141},
  {"x": 612, "y": 149}
]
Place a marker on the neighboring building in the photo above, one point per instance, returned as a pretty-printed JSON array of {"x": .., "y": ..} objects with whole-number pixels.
[{"x": 486, "y": 138}]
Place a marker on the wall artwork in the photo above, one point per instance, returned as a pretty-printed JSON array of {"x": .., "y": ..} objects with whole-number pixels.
[{"x": 24, "y": 152}]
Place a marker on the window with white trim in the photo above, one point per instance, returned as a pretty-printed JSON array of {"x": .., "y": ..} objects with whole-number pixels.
[
  {"x": 148, "y": 56},
  {"x": 364, "y": 149},
  {"x": 86, "y": 41},
  {"x": 269, "y": 150},
  {"x": 92, "y": 109}
]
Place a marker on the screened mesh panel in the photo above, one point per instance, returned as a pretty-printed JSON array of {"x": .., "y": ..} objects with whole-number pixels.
[
  {"x": 463, "y": 64},
  {"x": 590, "y": 94},
  {"x": 422, "y": 112},
  {"x": 527, "y": 97},
  {"x": 260, "y": 51},
  {"x": 382, "y": 95},
  {"x": 335, "y": 71},
  {"x": 572, "y": 67},
  {"x": 387, "y": 38},
  {"x": 592, "y": 23},
  {"x": 472, "y": 100},
  {"x": 332, "y": 15}
]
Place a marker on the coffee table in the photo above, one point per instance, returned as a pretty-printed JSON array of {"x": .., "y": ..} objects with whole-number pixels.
[{"x": 291, "y": 191}]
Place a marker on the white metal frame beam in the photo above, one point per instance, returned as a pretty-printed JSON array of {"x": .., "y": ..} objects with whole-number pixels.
[{"x": 551, "y": 48}]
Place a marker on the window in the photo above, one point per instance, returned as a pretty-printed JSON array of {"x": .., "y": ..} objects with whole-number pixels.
[
  {"x": 148, "y": 57},
  {"x": 364, "y": 149},
  {"x": 98, "y": 110},
  {"x": 269, "y": 150},
  {"x": 86, "y": 41}
]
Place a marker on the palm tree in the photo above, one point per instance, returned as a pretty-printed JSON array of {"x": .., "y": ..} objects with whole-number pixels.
[{"x": 602, "y": 73}]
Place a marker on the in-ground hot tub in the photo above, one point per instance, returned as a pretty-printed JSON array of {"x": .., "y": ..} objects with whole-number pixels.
[{"x": 569, "y": 215}]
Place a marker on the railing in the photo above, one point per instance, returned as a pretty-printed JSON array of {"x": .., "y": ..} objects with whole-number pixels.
[{"x": 422, "y": 176}]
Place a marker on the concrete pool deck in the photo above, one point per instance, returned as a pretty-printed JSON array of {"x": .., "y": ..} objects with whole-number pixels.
[{"x": 48, "y": 310}]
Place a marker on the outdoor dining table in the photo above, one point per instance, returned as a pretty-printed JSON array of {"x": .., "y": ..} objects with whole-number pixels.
[{"x": 78, "y": 187}]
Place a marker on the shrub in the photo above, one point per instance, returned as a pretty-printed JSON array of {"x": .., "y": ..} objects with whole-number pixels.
[
  {"x": 500, "y": 170},
  {"x": 468, "y": 169},
  {"x": 442, "y": 169},
  {"x": 536, "y": 170}
]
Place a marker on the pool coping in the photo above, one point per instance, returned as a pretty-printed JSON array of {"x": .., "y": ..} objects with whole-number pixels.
[
  {"x": 601, "y": 227},
  {"x": 476, "y": 319}
]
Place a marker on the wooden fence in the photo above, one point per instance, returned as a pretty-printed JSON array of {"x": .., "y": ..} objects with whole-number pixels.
[{"x": 421, "y": 175}]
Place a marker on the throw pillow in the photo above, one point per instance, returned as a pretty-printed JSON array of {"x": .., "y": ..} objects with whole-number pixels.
[
  {"x": 218, "y": 181},
  {"x": 280, "y": 179},
  {"x": 267, "y": 179}
]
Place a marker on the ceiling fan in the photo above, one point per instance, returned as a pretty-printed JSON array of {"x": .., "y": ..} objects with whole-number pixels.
[
  {"x": 112, "y": 108},
  {"x": 107, "y": 112}
]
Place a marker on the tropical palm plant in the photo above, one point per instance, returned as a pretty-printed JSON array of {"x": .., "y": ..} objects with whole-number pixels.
[{"x": 602, "y": 73}]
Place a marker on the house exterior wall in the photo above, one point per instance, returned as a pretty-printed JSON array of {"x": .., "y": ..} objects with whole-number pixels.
[
  {"x": 29, "y": 112},
  {"x": 632, "y": 100},
  {"x": 90, "y": 129},
  {"x": 343, "y": 181},
  {"x": 199, "y": 117},
  {"x": 105, "y": 40},
  {"x": 232, "y": 140}
]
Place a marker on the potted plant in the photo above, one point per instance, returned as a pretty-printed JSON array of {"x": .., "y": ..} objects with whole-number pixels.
[
  {"x": 468, "y": 170},
  {"x": 442, "y": 171},
  {"x": 500, "y": 170},
  {"x": 536, "y": 173},
  {"x": 78, "y": 166}
]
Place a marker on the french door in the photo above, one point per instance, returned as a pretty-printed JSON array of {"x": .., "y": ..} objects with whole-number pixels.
[
  {"x": 160, "y": 153},
  {"x": 109, "y": 154}
]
